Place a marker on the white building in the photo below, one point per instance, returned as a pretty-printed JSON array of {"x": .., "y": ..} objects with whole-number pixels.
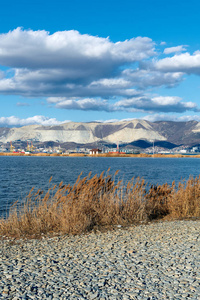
[{"x": 95, "y": 151}]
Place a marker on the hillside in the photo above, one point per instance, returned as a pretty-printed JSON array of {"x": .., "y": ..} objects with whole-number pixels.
[{"x": 123, "y": 132}]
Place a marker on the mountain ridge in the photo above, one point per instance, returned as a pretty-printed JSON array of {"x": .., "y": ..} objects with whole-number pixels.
[{"x": 124, "y": 132}]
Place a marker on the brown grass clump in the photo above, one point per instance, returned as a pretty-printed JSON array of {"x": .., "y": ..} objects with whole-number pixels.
[
  {"x": 100, "y": 201},
  {"x": 157, "y": 201},
  {"x": 184, "y": 202}
]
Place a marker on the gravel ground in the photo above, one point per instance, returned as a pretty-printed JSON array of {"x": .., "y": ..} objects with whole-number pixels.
[{"x": 155, "y": 261}]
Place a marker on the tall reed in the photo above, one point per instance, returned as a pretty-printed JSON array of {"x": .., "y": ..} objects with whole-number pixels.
[{"x": 98, "y": 201}]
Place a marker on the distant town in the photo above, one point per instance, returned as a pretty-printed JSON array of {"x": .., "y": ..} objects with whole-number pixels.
[{"x": 49, "y": 148}]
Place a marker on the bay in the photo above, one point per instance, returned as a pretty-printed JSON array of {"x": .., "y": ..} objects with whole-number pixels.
[{"x": 19, "y": 174}]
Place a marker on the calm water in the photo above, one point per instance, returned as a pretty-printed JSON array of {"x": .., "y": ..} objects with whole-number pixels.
[{"x": 19, "y": 174}]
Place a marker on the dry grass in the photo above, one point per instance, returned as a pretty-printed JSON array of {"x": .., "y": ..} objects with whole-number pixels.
[
  {"x": 100, "y": 201},
  {"x": 184, "y": 202}
]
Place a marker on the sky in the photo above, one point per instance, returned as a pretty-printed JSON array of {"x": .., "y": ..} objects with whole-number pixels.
[{"x": 99, "y": 60}]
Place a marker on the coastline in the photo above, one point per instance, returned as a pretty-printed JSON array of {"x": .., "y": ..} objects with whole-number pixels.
[{"x": 143, "y": 155}]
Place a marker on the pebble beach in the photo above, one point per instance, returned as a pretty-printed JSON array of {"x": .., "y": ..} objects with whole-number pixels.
[{"x": 154, "y": 261}]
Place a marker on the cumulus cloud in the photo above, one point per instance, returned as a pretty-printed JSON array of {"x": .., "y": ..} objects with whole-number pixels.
[
  {"x": 14, "y": 121},
  {"x": 156, "y": 104},
  {"x": 176, "y": 49},
  {"x": 112, "y": 82},
  {"x": 184, "y": 62},
  {"x": 152, "y": 78},
  {"x": 142, "y": 104},
  {"x": 68, "y": 49},
  {"x": 84, "y": 72},
  {"x": 84, "y": 104},
  {"x": 41, "y": 120},
  {"x": 68, "y": 63}
]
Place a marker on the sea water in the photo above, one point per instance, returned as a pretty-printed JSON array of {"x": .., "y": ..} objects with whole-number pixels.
[{"x": 19, "y": 174}]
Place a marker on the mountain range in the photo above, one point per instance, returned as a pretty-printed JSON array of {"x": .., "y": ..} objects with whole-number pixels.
[{"x": 133, "y": 132}]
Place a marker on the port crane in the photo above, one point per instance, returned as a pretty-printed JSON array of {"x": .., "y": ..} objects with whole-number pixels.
[
  {"x": 30, "y": 148},
  {"x": 12, "y": 148}
]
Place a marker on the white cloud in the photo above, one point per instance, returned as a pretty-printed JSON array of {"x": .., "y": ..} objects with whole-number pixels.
[
  {"x": 174, "y": 118},
  {"x": 14, "y": 121},
  {"x": 155, "y": 104},
  {"x": 112, "y": 83},
  {"x": 68, "y": 49},
  {"x": 57, "y": 99},
  {"x": 142, "y": 104},
  {"x": 145, "y": 78},
  {"x": 160, "y": 100},
  {"x": 41, "y": 120},
  {"x": 84, "y": 104},
  {"x": 117, "y": 120},
  {"x": 84, "y": 72},
  {"x": 68, "y": 63},
  {"x": 180, "y": 63},
  {"x": 176, "y": 49}
]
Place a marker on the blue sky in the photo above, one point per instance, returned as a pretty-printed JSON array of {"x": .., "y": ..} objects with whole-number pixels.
[{"x": 99, "y": 61}]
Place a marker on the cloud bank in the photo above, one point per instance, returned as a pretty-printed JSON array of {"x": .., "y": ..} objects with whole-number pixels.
[
  {"x": 173, "y": 118},
  {"x": 83, "y": 72},
  {"x": 66, "y": 63},
  {"x": 14, "y": 121},
  {"x": 135, "y": 104},
  {"x": 36, "y": 120}
]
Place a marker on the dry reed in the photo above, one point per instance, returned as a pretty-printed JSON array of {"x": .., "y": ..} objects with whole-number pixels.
[{"x": 99, "y": 201}]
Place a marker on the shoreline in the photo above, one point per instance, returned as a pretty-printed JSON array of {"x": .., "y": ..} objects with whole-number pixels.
[
  {"x": 158, "y": 260},
  {"x": 141, "y": 155}
]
